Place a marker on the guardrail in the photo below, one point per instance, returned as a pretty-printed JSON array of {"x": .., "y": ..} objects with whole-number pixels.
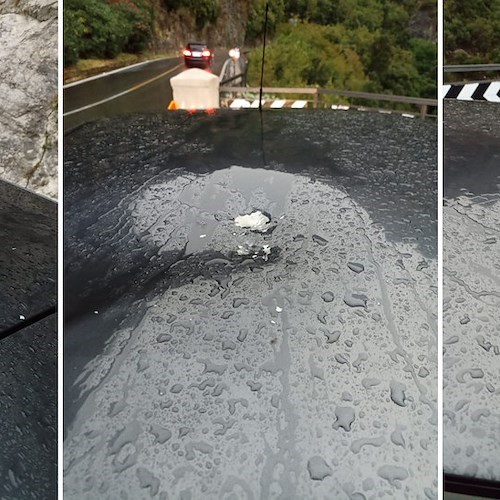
[
  {"x": 422, "y": 103},
  {"x": 470, "y": 68}
]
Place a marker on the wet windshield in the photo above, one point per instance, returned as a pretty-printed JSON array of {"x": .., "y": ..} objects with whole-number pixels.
[
  {"x": 208, "y": 355},
  {"x": 471, "y": 290}
]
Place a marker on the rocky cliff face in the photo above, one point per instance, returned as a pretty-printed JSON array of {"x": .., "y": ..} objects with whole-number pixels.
[
  {"x": 175, "y": 28},
  {"x": 28, "y": 86},
  {"x": 424, "y": 23}
]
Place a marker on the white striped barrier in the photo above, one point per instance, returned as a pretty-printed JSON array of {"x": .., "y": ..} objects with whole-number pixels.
[
  {"x": 273, "y": 104},
  {"x": 488, "y": 91},
  {"x": 282, "y": 103}
]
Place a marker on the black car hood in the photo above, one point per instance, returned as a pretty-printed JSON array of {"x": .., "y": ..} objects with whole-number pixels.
[
  {"x": 206, "y": 360},
  {"x": 28, "y": 345}
]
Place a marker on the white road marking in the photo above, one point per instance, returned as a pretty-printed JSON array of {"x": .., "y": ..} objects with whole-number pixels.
[{"x": 125, "y": 92}]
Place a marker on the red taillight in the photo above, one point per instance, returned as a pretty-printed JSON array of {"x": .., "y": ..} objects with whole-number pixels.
[
  {"x": 186, "y": 52},
  {"x": 206, "y": 53}
]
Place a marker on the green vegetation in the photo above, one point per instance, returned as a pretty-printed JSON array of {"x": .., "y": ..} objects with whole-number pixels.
[
  {"x": 204, "y": 11},
  {"x": 472, "y": 31},
  {"x": 351, "y": 44},
  {"x": 370, "y": 45},
  {"x": 100, "y": 28},
  {"x": 106, "y": 28}
]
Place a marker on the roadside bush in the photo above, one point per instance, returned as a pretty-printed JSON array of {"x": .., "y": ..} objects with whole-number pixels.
[
  {"x": 256, "y": 20},
  {"x": 425, "y": 55},
  {"x": 102, "y": 29},
  {"x": 74, "y": 29},
  {"x": 139, "y": 18},
  {"x": 336, "y": 56},
  {"x": 471, "y": 31},
  {"x": 304, "y": 56}
]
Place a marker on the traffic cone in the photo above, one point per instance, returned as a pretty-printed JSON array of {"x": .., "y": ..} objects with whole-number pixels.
[{"x": 172, "y": 106}]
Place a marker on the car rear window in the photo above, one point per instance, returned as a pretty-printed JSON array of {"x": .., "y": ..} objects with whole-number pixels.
[{"x": 197, "y": 46}]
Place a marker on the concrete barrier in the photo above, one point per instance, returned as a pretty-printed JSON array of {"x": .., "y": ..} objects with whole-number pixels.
[{"x": 195, "y": 89}]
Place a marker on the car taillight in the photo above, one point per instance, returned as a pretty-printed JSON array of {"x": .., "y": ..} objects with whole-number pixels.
[
  {"x": 186, "y": 52},
  {"x": 206, "y": 53}
]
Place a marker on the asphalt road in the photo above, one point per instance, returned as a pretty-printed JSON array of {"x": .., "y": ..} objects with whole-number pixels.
[
  {"x": 203, "y": 360},
  {"x": 472, "y": 290},
  {"x": 149, "y": 86},
  {"x": 28, "y": 345}
]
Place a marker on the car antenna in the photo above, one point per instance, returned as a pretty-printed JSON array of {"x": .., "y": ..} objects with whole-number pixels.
[
  {"x": 263, "y": 57},
  {"x": 261, "y": 85}
]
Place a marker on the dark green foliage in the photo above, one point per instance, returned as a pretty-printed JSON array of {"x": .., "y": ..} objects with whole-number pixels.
[
  {"x": 472, "y": 31},
  {"x": 349, "y": 44},
  {"x": 276, "y": 14},
  {"x": 305, "y": 55},
  {"x": 98, "y": 28},
  {"x": 425, "y": 57},
  {"x": 74, "y": 31},
  {"x": 369, "y": 49}
]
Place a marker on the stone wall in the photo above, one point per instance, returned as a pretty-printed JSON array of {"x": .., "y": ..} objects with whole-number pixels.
[{"x": 28, "y": 86}]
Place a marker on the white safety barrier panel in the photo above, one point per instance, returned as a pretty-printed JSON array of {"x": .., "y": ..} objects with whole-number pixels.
[
  {"x": 290, "y": 104},
  {"x": 278, "y": 104},
  {"x": 240, "y": 103},
  {"x": 255, "y": 104},
  {"x": 195, "y": 89},
  {"x": 481, "y": 91}
]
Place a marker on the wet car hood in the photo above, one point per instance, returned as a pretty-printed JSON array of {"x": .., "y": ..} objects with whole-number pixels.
[
  {"x": 28, "y": 340},
  {"x": 27, "y": 259},
  {"x": 472, "y": 290},
  {"x": 199, "y": 364}
]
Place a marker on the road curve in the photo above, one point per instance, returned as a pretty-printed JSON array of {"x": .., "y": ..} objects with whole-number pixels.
[{"x": 140, "y": 88}]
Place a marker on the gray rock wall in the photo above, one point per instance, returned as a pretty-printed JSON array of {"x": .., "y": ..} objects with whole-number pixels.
[
  {"x": 173, "y": 29},
  {"x": 28, "y": 86}
]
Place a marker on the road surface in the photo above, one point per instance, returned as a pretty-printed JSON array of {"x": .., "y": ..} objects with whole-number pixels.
[
  {"x": 147, "y": 86},
  {"x": 472, "y": 290},
  {"x": 203, "y": 360}
]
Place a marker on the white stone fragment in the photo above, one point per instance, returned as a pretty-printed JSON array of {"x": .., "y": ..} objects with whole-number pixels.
[{"x": 256, "y": 221}]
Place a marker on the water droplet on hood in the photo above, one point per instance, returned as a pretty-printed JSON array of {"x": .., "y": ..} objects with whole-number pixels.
[
  {"x": 318, "y": 468},
  {"x": 356, "y": 267}
]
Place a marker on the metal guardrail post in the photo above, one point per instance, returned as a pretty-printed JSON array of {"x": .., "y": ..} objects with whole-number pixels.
[
  {"x": 423, "y": 111},
  {"x": 315, "y": 99}
]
